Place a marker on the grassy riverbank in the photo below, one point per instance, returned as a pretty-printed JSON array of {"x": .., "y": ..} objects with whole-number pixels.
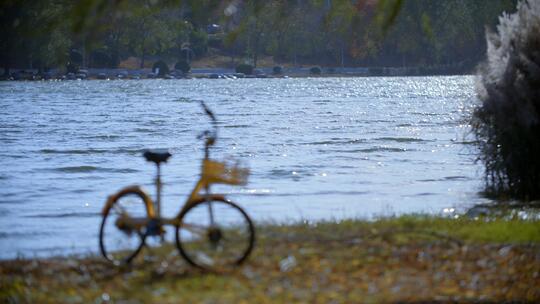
[{"x": 404, "y": 259}]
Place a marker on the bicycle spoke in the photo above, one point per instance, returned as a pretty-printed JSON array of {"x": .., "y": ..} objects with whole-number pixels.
[
  {"x": 226, "y": 240},
  {"x": 120, "y": 238},
  {"x": 195, "y": 228}
]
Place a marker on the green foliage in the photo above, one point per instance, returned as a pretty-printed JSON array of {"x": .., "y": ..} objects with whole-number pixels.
[
  {"x": 493, "y": 229},
  {"x": 338, "y": 27},
  {"x": 216, "y": 41},
  {"x": 244, "y": 69},
  {"x": 388, "y": 10},
  {"x": 31, "y": 31},
  {"x": 161, "y": 68},
  {"x": 310, "y": 32},
  {"x": 199, "y": 42},
  {"x": 149, "y": 33}
]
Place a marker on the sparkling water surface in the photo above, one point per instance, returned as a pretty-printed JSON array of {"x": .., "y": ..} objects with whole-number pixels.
[{"x": 318, "y": 149}]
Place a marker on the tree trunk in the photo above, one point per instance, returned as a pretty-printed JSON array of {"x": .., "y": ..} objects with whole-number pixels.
[
  {"x": 143, "y": 50},
  {"x": 142, "y": 59},
  {"x": 232, "y": 58},
  {"x": 256, "y": 50},
  {"x": 342, "y": 56},
  {"x": 84, "y": 53},
  {"x": 6, "y": 68},
  {"x": 115, "y": 54}
]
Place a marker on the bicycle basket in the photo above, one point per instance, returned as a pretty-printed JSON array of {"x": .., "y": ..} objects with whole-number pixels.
[{"x": 224, "y": 172}]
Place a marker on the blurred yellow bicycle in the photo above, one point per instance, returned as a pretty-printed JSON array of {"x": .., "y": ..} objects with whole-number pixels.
[{"x": 212, "y": 232}]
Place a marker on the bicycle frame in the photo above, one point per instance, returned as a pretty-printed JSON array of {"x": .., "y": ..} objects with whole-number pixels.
[
  {"x": 190, "y": 228},
  {"x": 204, "y": 182},
  {"x": 201, "y": 191}
]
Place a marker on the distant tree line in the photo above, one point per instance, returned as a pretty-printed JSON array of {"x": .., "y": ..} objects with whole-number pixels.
[{"x": 98, "y": 33}]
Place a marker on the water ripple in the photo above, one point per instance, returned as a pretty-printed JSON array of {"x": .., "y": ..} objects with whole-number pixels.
[
  {"x": 65, "y": 215},
  {"x": 89, "y": 169},
  {"x": 316, "y": 144}
]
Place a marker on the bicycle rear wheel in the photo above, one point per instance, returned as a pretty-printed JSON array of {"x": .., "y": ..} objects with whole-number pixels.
[
  {"x": 120, "y": 238},
  {"x": 215, "y": 234}
]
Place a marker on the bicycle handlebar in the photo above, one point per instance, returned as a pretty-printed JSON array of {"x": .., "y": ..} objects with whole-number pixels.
[
  {"x": 208, "y": 112},
  {"x": 210, "y": 136},
  {"x": 207, "y": 133}
]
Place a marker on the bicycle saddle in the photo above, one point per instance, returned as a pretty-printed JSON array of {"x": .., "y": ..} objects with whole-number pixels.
[{"x": 157, "y": 156}]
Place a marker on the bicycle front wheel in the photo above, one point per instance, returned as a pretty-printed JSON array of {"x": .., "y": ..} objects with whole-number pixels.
[
  {"x": 121, "y": 235},
  {"x": 215, "y": 234}
]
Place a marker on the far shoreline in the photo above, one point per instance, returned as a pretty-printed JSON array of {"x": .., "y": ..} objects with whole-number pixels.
[{"x": 228, "y": 73}]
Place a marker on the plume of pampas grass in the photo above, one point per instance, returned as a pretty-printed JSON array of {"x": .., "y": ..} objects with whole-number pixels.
[{"x": 507, "y": 122}]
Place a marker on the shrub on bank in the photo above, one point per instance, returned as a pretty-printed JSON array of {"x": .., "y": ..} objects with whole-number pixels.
[
  {"x": 76, "y": 57},
  {"x": 243, "y": 68},
  {"x": 183, "y": 66},
  {"x": 277, "y": 70},
  {"x": 507, "y": 122},
  {"x": 186, "y": 54},
  {"x": 315, "y": 70},
  {"x": 160, "y": 68},
  {"x": 101, "y": 59},
  {"x": 72, "y": 68}
]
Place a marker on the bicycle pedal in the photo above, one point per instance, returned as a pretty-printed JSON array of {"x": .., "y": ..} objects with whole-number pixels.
[{"x": 122, "y": 226}]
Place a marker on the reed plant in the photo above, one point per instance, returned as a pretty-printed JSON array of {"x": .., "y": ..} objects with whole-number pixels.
[{"x": 507, "y": 122}]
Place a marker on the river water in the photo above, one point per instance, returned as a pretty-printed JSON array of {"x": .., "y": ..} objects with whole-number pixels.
[{"x": 318, "y": 148}]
